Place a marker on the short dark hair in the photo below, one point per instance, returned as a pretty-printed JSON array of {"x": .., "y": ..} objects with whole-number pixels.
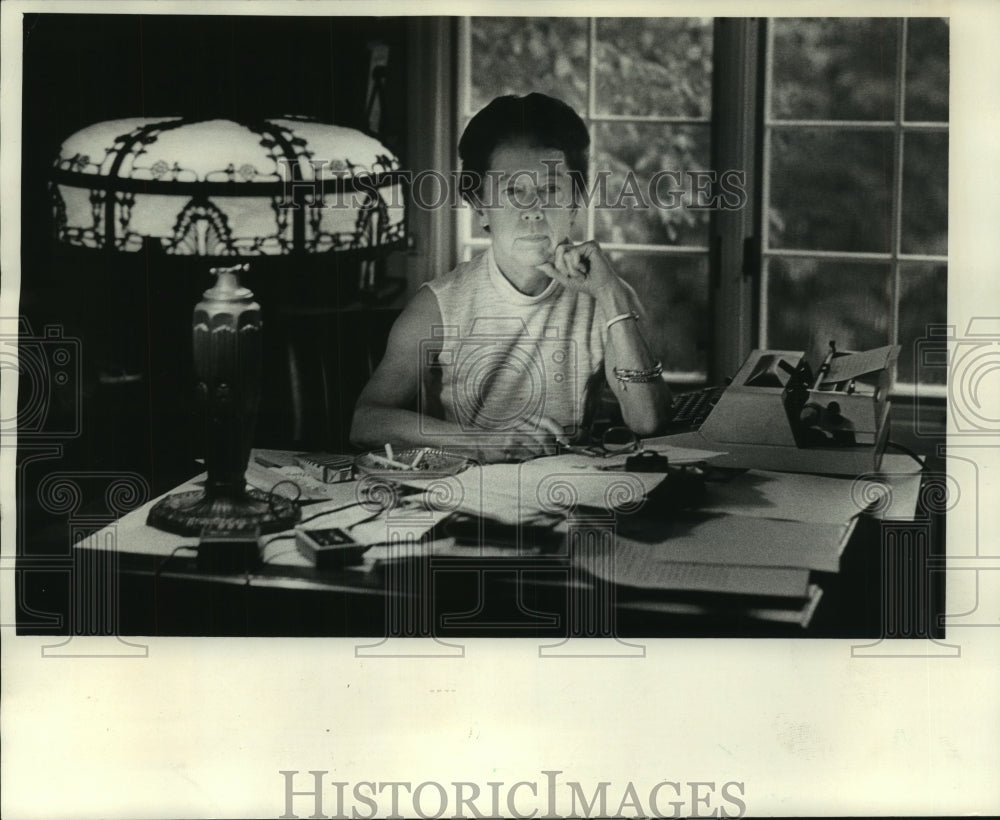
[{"x": 536, "y": 120}]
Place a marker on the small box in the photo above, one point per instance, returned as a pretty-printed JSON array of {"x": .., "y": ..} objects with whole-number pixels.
[
  {"x": 329, "y": 468},
  {"x": 329, "y": 548},
  {"x": 229, "y": 546}
]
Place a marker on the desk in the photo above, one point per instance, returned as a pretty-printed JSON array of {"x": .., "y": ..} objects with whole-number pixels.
[{"x": 541, "y": 589}]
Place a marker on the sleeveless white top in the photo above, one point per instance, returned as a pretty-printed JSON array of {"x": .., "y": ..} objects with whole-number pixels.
[{"x": 507, "y": 358}]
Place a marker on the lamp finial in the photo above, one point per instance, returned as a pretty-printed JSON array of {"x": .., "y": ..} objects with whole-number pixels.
[{"x": 227, "y": 286}]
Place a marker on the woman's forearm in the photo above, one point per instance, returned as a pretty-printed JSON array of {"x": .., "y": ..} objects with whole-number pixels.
[
  {"x": 374, "y": 426},
  {"x": 644, "y": 405}
]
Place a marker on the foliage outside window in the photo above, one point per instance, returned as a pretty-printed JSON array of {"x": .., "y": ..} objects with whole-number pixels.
[{"x": 856, "y": 185}]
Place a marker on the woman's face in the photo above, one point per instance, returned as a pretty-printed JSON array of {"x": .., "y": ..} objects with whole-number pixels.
[{"x": 527, "y": 197}]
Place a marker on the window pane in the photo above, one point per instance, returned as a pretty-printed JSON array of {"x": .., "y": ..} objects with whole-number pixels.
[
  {"x": 925, "y": 193},
  {"x": 517, "y": 55},
  {"x": 812, "y": 301},
  {"x": 926, "y": 69},
  {"x": 629, "y": 156},
  {"x": 654, "y": 66},
  {"x": 674, "y": 293},
  {"x": 834, "y": 69},
  {"x": 923, "y": 300},
  {"x": 831, "y": 190}
]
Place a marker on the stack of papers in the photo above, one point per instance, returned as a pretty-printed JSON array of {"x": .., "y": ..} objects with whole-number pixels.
[
  {"x": 759, "y": 533},
  {"x": 757, "y": 539}
]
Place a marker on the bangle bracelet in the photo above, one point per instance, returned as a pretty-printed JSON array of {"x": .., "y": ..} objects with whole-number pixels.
[
  {"x": 621, "y": 317},
  {"x": 625, "y": 375}
]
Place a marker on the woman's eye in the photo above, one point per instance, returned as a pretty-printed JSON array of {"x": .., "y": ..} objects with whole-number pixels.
[{"x": 520, "y": 194}]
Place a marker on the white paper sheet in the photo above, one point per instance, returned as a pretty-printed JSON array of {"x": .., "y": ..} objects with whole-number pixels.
[
  {"x": 642, "y": 566},
  {"x": 735, "y": 540},
  {"x": 512, "y": 493},
  {"x": 844, "y": 368}
]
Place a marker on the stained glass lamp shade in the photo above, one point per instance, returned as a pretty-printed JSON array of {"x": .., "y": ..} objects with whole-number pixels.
[
  {"x": 221, "y": 188},
  {"x": 217, "y": 189}
]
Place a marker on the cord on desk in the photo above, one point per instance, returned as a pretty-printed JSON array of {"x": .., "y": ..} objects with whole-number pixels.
[
  {"x": 163, "y": 563},
  {"x": 280, "y": 555},
  {"x": 271, "y": 494},
  {"x": 284, "y": 536},
  {"x": 281, "y": 535},
  {"x": 921, "y": 461},
  {"x": 353, "y": 524},
  {"x": 330, "y": 512}
]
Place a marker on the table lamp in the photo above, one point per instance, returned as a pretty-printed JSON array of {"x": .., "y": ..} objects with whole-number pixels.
[{"x": 227, "y": 192}]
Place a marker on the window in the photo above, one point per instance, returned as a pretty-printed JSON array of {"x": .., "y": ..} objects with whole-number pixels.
[
  {"x": 855, "y": 177},
  {"x": 621, "y": 76},
  {"x": 848, "y": 162}
]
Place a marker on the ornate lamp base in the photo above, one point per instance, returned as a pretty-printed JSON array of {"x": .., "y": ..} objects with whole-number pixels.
[{"x": 188, "y": 513}]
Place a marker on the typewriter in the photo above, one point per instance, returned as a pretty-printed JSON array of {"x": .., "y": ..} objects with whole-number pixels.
[{"x": 778, "y": 413}]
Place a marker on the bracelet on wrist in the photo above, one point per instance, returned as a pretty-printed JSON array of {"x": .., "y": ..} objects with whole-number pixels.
[
  {"x": 621, "y": 317},
  {"x": 625, "y": 375}
]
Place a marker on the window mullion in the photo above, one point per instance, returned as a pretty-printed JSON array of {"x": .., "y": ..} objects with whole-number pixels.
[
  {"x": 764, "y": 183},
  {"x": 653, "y": 119},
  {"x": 431, "y": 129},
  {"x": 845, "y": 125},
  {"x": 591, "y": 111},
  {"x": 464, "y": 68},
  {"x": 734, "y": 121},
  {"x": 897, "y": 187}
]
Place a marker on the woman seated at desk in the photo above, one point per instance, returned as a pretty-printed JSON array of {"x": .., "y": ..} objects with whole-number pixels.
[{"x": 496, "y": 355}]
